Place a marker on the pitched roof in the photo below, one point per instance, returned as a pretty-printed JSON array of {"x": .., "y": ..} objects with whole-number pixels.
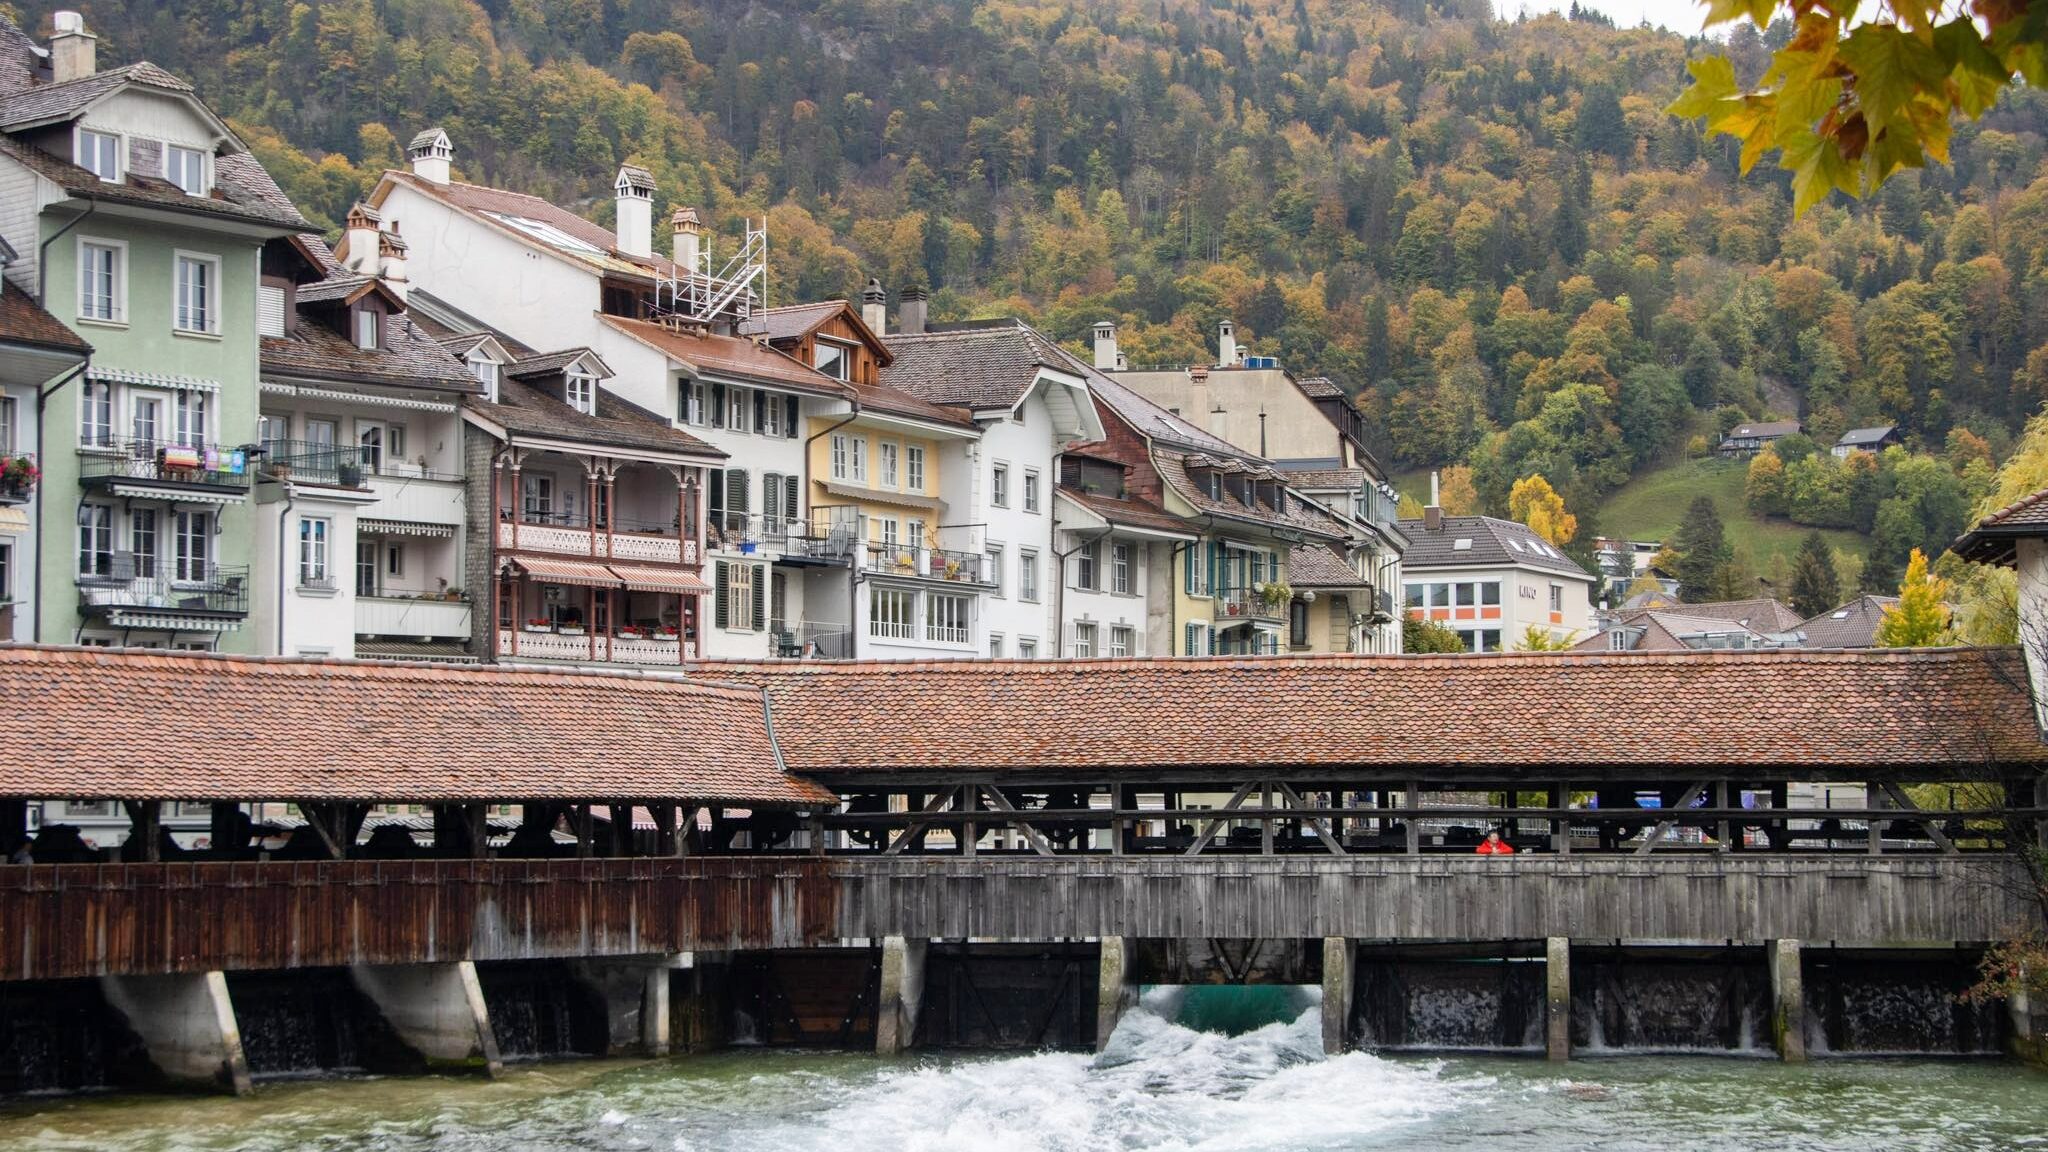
[
  {"x": 1173, "y": 471},
  {"x": 794, "y": 321},
  {"x": 407, "y": 358},
  {"x": 522, "y": 408},
  {"x": 982, "y": 364},
  {"x": 1764, "y": 430},
  {"x": 728, "y": 355},
  {"x": 1320, "y": 387},
  {"x": 243, "y": 190},
  {"x": 1762, "y": 613},
  {"x": 23, "y": 321},
  {"x": 252, "y": 728},
  {"x": 19, "y": 56},
  {"x": 1322, "y": 479},
  {"x": 1152, "y": 421},
  {"x": 589, "y": 243},
  {"x": 1991, "y": 541},
  {"x": 548, "y": 363},
  {"x": 1867, "y": 435},
  {"x": 1817, "y": 711},
  {"x": 1665, "y": 630},
  {"x": 1494, "y": 544},
  {"x": 1130, "y": 512},
  {"x": 1853, "y": 625},
  {"x": 44, "y": 103},
  {"x": 1319, "y": 566}
]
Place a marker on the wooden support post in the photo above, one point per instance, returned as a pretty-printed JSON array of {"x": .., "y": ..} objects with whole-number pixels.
[
  {"x": 1557, "y": 999},
  {"x": 580, "y": 817},
  {"x": 1721, "y": 841},
  {"x": 1266, "y": 822},
  {"x": 970, "y": 832},
  {"x": 1315, "y": 824},
  {"x": 2041, "y": 801},
  {"x": 1874, "y": 797},
  {"x": 1235, "y": 802},
  {"x": 665, "y": 830},
  {"x": 13, "y": 826},
  {"x": 1337, "y": 985},
  {"x": 1561, "y": 826},
  {"x": 622, "y": 829},
  {"x": 145, "y": 829},
  {"x": 227, "y": 831},
  {"x": 1935, "y": 832},
  {"x": 1685, "y": 803},
  {"x": 1117, "y": 826},
  {"x": 1414, "y": 829},
  {"x": 1001, "y": 803},
  {"x": 815, "y": 827},
  {"x": 1788, "y": 1002}
]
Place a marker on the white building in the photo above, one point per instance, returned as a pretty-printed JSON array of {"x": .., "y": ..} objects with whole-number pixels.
[
  {"x": 1493, "y": 580},
  {"x": 35, "y": 349}
]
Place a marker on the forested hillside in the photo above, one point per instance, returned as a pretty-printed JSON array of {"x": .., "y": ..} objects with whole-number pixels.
[{"x": 1488, "y": 230}]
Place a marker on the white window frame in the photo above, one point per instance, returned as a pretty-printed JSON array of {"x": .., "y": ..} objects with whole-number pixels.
[
  {"x": 9, "y": 414},
  {"x": 844, "y": 359},
  {"x": 1086, "y": 633},
  {"x": 739, "y": 409},
  {"x": 887, "y": 453},
  {"x": 1031, "y": 489},
  {"x": 145, "y": 540},
  {"x": 1027, "y": 647},
  {"x": 115, "y": 151},
  {"x": 771, "y": 415},
  {"x": 1027, "y": 575},
  {"x": 95, "y": 540},
  {"x": 999, "y": 485},
  {"x": 210, "y": 316},
  {"x": 740, "y": 591},
  {"x": 316, "y": 535},
  {"x": 859, "y": 458},
  {"x": 1195, "y": 638},
  {"x": 995, "y": 645},
  {"x": 913, "y": 467},
  {"x": 151, "y": 418},
  {"x": 191, "y": 545},
  {"x": 582, "y": 392},
  {"x": 694, "y": 396},
  {"x": 116, "y": 311},
  {"x": 1120, "y": 568},
  {"x": 1122, "y": 638},
  {"x": 841, "y": 456},
  {"x": 191, "y": 418},
  {"x": 365, "y": 334},
  {"x": 996, "y": 554},
  {"x": 177, "y": 157},
  {"x": 96, "y": 414},
  {"x": 1088, "y": 566},
  {"x": 900, "y": 621},
  {"x": 948, "y": 619},
  {"x": 1557, "y": 597}
]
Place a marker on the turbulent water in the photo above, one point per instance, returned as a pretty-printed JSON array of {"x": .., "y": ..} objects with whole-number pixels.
[{"x": 1160, "y": 1087}]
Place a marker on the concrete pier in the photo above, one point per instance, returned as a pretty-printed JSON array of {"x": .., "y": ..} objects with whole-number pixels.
[
  {"x": 1788, "y": 1002},
  {"x": 1337, "y": 985},
  {"x": 188, "y": 1026},
  {"x": 1557, "y": 999},
  {"x": 1114, "y": 992},
  {"x": 636, "y": 998},
  {"x": 437, "y": 1009},
  {"x": 2029, "y": 1029},
  {"x": 902, "y": 995}
]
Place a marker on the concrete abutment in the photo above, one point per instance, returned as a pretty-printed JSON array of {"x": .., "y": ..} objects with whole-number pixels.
[
  {"x": 187, "y": 1025},
  {"x": 438, "y": 1010}
]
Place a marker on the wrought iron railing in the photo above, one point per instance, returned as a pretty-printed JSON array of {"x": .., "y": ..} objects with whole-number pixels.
[
  {"x": 1247, "y": 604},
  {"x": 126, "y": 581},
  {"x": 895, "y": 559},
  {"x": 313, "y": 462},
  {"x": 210, "y": 465}
]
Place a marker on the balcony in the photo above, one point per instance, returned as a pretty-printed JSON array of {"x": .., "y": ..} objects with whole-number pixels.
[
  {"x": 561, "y": 535},
  {"x": 418, "y": 499},
  {"x": 129, "y": 591},
  {"x": 156, "y": 470},
  {"x": 310, "y": 462},
  {"x": 1246, "y": 604},
  {"x": 424, "y": 617},
  {"x": 921, "y": 563},
  {"x": 545, "y": 642},
  {"x": 18, "y": 477}
]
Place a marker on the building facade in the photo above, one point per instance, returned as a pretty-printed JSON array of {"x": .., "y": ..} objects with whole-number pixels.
[
  {"x": 1492, "y": 581},
  {"x": 36, "y": 352}
]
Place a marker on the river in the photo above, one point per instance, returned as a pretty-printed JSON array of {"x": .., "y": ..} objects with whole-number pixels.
[{"x": 1160, "y": 1087}]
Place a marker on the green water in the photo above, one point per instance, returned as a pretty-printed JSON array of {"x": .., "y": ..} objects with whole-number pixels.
[{"x": 1161, "y": 1087}]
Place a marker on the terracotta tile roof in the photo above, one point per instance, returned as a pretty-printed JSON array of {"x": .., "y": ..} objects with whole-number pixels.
[
  {"x": 23, "y": 321},
  {"x": 548, "y": 363},
  {"x": 407, "y": 358},
  {"x": 522, "y": 408},
  {"x": 492, "y": 203},
  {"x": 729, "y": 356},
  {"x": 93, "y": 723},
  {"x": 1991, "y": 541},
  {"x": 1665, "y": 630},
  {"x": 243, "y": 190},
  {"x": 897, "y": 402},
  {"x": 1319, "y": 566},
  {"x": 1761, "y": 613},
  {"x": 983, "y": 364},
  {"x": 1817, "y": 711},
  {"x": 1173, "y": 470},
  {"x": 1131, "y": 512},
  {"x": 43, "y": 103},
  {"x": 1494, "y": 544}
]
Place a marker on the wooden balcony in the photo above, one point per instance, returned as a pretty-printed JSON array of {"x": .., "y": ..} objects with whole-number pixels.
[
  {"x": 640, "y": 547},
  {"x": 585, "y": 648}
]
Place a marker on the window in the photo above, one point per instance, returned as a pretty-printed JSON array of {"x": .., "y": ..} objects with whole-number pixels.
[
  {"x": 1617, "y": 640},
  {"x": 99, "y": 153},
  {"x": 1084, "y": 640},
  {"x": 888, "y": 532},
  {"x": 842, "y": 458},
  {"x": 95, "y": 540},
  {"x": 890, "y": 614},
  {"x": 198, "y": 296},
  {"x": 194, "y": 539},
  {"x": 992, "y": 569},
  {"x": 313, "y": 532},
  {"x": 394, "y": 560},
  {"x": 186, "y": 167},
  {"x": 1027, "y": 648},
  {"x": 8, "y": 416},
  {"x": 913, "y": 467},
  {"x": 537, "y": 498},
  {"x": 739, "y": 409},
  {"x": 859, "y": 459},
  {"x": 1484, "y": 639},
  {"x": 366, "y": 572},
  {"x": 771, "y": 414},
  {"x": 946, "y": 619},
  {"x": 1031, "y": 490},
  {"x": 999, "y": 486},
  {"x": 270, "y": 310},
  {"x": 1195, "y": 640},
  {"x": 102, "y": 281},
  {"x": 582, "y": 393},
  {"x": 995, "y": 642},
  {"x": 6, "y": 573},
  {"x": 885, "y": 456},
  {"x": 1120, "y": 638},
  {"x": 1120, "y": 569},
  {"x": 1027, "y": 575},
  {"x": 191, "y": 410},
  {"x": 366, "y": 332},
  {"x": 96, "y": 414},
  {"x": 1087, "y": 560},
  {"x": 740, "y": 603},
  {"x": 831, "y": 359},
  {"x": 1297, "y": 624},
  {"x": 321, "y": 433},
  {"x": 1557, "y": 597},
  {"x": 693, "y": 401},
  {"x": 142, "y": 540}
]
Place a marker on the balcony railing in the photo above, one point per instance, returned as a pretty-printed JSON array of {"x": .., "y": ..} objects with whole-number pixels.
[
  {"x": 125, "y": 582},
  {"x": 392, "y": 613},
  {"x": 626, "y": 539},
  {"x": 621, "y": 647},
  {"x": 311, "y": 462},
  {"x": 109, "y": 463},
  {"x": 1245, "y": 604},
  {"x": 886, "y": 559}
]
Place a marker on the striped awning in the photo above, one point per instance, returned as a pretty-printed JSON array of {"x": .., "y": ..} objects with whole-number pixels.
[
  {"x": 144, "y": 490},
  {"x": 13, "y": 520},
  {"x": 660, "y": 580},
  {"x": 404, "y": 528},
  {"x": 553, "y": 571},
  {"x": 165, "y": 380},
  {"x": 882, "y": 496},
  {"x": 158, "y": 620}
]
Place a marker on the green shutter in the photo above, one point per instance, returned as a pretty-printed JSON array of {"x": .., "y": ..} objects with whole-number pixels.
[
  {"x": 717, "y": 405},
  {"x": 760, "y": 597},
  {"x": 789, "y": 417},
  {"x": 760, "y": 409},
  {"x": 718, "y": 612}
]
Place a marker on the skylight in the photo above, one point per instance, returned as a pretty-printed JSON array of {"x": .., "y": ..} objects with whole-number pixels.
[
  {"x": 545, "y": 233},
  {"x": 1514, "y": 543}
]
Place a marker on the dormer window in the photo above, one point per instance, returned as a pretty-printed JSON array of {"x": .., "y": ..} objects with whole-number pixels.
[
  {"x": 831, "y": 359},
  {"x": 485, "y": 370},
  {"x": 582, "y": 394},
  {"x": 99, "y": 153},
  {"x": 1215, "y": 485},
  {"x": 366, "y": 329},
  {"x": 186, "y": 167}
]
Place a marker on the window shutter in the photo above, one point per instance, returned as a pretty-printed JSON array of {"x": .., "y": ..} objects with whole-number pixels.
[
  {"x": 718, "y": 593},
  {"x": 789, "y": 419},
  {"x": 714, "y": 479},
  {"x": 717, "y": 404},
  {"x": 771, "y": 498},
  {"x": 270, "y": 310},
  {"x": 760, "y": 597},
  {"x": 790, "y": 487},
  {"x": 736, "y": 490},
  {"x": 760, "y": 410}
]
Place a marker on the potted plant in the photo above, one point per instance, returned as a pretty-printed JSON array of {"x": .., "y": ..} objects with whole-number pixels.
[
  {"x": 628, "y": 632},
  {"x": 1274, "y": 593},
  {"x": 18, "y": 476},
  {"x": 349, "y": 474},
  {"x": 666, "y": 632},
  {"x": 539, "y": 624},
  {"x": 952, "y": 569},
  {"x": 455, "y": 594},
  {"x": 569, "y": 628}
]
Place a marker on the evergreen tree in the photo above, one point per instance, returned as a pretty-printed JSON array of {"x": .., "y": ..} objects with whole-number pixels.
[
  {"x": 1815, "y": 585},
  {"x": 1880, "y": 575},
  {"x": 1921, "y": 618},
  {"x": 1702, "y": 548},
  {"x": 1430, "y": 636}
]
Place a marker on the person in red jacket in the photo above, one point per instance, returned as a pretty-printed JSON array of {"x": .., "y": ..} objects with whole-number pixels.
[{"x": 1493, "y": 845}]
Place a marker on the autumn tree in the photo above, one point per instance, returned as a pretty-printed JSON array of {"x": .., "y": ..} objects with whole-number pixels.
[
  {"x": 1763, "y": 489},
  {"x": 1921, "y": 617},
  {"x": 1430, "y": 636},
  {"x": 1816, "y": 587},
  {"x": 1535, "y": 503},
  {"x": 1455, "y": 493}
]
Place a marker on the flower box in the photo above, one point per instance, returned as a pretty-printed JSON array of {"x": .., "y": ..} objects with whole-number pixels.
[
  {"x": 539, "y": 626},
  {"x": 569, "y": 629},
  {"x": 665, "y": 633},
  {"x": 629, "y": 633}
]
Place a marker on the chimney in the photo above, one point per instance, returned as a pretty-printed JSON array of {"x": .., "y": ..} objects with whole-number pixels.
[
  {"x": 634, "y": 190},
  {"x": 1198, "y": 395},
  {"x": 910, "y": 311},
  {"x": 1226, "y": 345},
  {"x": 361, "y": 240},
  {"x": 1433, "y": 516},
  {"x": 688, "y": 238},
  {"x": 1106, "y": 358},
  {"x": 874, "y": 307},
  {"x": 73, "y": 50},
  {"x": 432, "y": 156},
  {"x": 391, "y": 254}
]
